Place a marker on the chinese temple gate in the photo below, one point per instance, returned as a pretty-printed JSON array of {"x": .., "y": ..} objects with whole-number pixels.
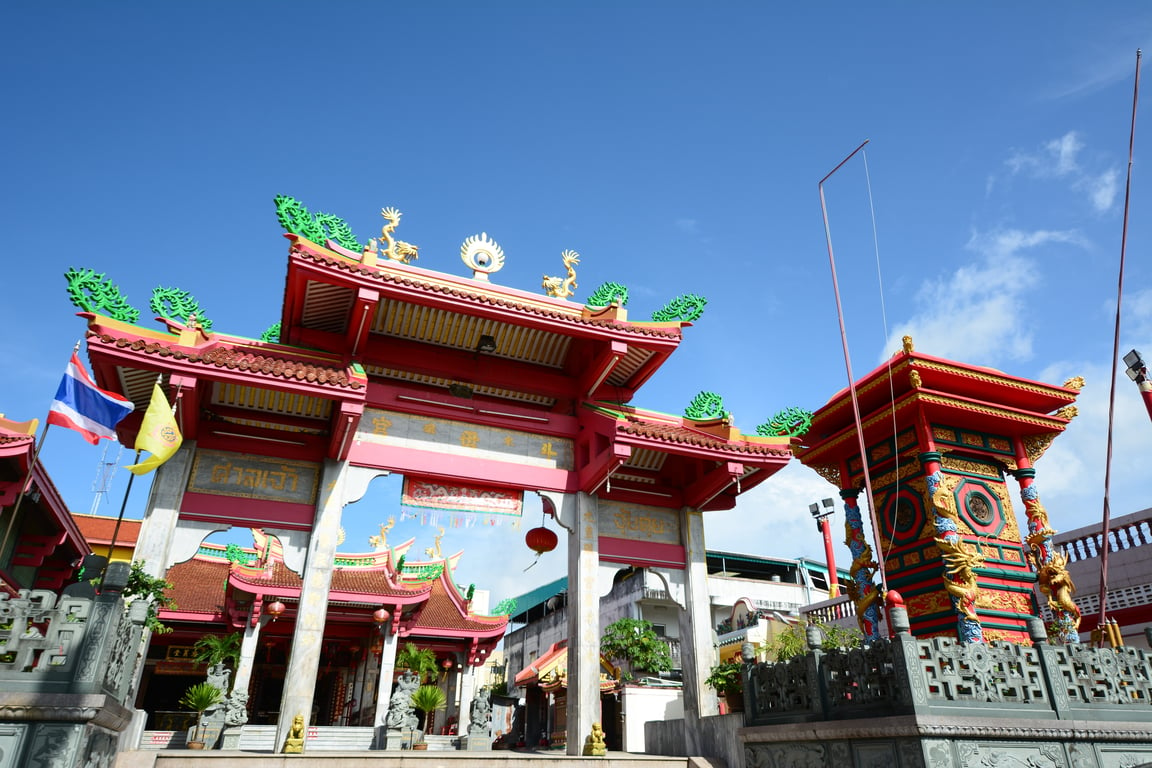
[
  {"x": 383, "y": 367},
  {"x": 941, "y": 439}
]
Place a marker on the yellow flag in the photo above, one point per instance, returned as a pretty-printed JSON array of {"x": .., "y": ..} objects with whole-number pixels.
[{"x": 158, "y": 434}]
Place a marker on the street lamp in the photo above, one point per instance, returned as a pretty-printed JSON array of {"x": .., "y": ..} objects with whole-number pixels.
[
  {"x": 1138, "y": 372},
  {"x": 824, "y": 526}
]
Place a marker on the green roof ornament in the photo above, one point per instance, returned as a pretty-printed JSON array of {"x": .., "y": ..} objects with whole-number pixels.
[
  {"x": 686, "y": 308},
  {"x": 608, "y": 294},
  {"x": 272, "y": 334},
  {"x": 790, "y": 422},
  {"x": 318, "y": 228},
  {"x": 90, "y": 292},
  {"x": 175, "y": 304},
  {"x": 706, "y": 406},
  {"x": 505, "y": 607},
  {"x": 234, "y": 554}
]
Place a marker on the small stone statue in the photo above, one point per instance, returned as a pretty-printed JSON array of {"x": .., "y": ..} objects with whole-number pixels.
[
  {"x": 401, "y": 715},
  {"x": 236, "y": 712},
  {"x": 480, "y": 714},
  {"x": 594, "y": 744},
  {"x": 294, "y": 744}
]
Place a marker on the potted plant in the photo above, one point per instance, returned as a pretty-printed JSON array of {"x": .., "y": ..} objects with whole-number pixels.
[
  {"x": 214, "y": 650},
  {"x": 199, "y": 698},
  {"x": 419, "y": 661},
  {"x": 428, "y": 699},
  {"x": 727, "y": 680}
]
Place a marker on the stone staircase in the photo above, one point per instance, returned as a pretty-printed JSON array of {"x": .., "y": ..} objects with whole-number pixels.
[{"x": 402, "y": 759}]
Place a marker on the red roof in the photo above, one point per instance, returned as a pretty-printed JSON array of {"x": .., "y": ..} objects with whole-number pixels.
[
  {"x": 97, "y": 529},
  {"x": 276, "y": 363}
]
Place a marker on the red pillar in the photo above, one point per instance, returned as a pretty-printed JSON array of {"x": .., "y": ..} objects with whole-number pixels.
[{"x": 829, "y": 557}]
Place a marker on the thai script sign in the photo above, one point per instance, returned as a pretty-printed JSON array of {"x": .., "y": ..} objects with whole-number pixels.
[
  {"x": 464, "y": 439},
  {"x": 254, "y": 477}
]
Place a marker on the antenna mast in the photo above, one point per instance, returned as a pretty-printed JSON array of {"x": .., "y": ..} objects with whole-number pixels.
[{"x": 104, "y": 474}]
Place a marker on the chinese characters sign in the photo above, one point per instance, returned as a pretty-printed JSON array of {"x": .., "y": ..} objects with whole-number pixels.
[{"x": 464, "y": 439}]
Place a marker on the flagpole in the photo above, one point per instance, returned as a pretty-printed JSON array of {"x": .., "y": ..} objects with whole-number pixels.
[
  {"x": 31, "y": 469},
  {"x": 123, "y": 506}
]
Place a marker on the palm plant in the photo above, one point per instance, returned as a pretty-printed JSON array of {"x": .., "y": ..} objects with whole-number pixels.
[
  {"x": 419, "y": 661},
  {"x": 218, "y": 649},
  {"x": 199, "y": 698},
  {"x": 429, "y": 699}
]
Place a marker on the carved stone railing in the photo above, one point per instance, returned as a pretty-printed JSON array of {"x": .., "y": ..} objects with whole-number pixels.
[
  {"x": 941, "y": 677},
  {"x": 66, "y": 666}
]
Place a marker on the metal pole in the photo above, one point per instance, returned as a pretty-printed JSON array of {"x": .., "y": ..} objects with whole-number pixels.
[
  {"x": 1104, "y": 532},
  {"x": 851, "y": 378}
]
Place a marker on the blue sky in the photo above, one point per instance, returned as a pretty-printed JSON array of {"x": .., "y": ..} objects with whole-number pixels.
[{"x": 676, "y": 146}]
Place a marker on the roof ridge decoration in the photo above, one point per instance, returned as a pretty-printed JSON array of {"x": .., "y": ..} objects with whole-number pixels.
[
  {"x": 686, "y": 308},
  {"x": 706, "y": 406},
  {"x": 562, "y": 288},
  {"x": 790, "y": 422},
  {"x": 175, "y": 304},
  {"x": 272, "y": 334},
  {"x": 607, "y": 294},
  {"x": 319, "y": 228},
  {"x": 91, "y": 292},
  {"x": 397, "y": 250},
  {"x": 482, "y": 255}
]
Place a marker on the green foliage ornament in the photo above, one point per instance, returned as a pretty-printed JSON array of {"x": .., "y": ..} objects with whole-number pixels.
[
  {"x": 295, "y": 218},
  {"x": 272, "y": 334},
  {"x": 174, "y": 304},
  {"x": 687, "y": 308},
  {"x": 790, "y": 422},
  {"x": 505, "y": 607},
  {"x": 705, "y": 406},
  {"x": 608, "y": 293},
  {"x": 90, "y": 292}
]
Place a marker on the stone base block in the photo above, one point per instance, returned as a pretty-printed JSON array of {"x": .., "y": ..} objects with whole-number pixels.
[{"x": 475, "y": 743}]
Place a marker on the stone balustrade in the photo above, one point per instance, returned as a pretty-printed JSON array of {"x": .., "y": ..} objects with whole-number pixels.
[{"x": 66, "y": 666}]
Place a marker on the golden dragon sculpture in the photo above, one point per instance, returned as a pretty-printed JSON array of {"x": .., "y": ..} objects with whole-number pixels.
[
  {"x": 960, "y": 559},
  {"x": 563, "y": 288},
  {"x": 397, "y": 250}
]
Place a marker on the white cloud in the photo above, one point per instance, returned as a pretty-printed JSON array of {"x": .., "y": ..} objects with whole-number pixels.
[
  {"x": 1059, "y": 159},
  {"x": 773, "y": 518},
  {"x": 974, "y": 313},
  {"x": 690, "y": 226},
  {"x": 1102, "y": 189}
]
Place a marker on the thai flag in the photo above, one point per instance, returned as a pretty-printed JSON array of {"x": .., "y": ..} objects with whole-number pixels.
[{"x": 84, "y": 407}]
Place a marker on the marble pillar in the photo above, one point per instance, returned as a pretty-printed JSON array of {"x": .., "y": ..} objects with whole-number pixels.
[
  {"x": 384, "y": 685},
  {"x": 307, "y": 639},
  {"x": 696, "y": 652},
  {"x": 583, "y": 624},
  {"x": 163, "y": 510}
]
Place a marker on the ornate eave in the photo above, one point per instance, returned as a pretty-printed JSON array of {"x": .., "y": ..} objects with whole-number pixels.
[
  {"x": 411, "y": 324},
  {"x": 644, "y": 457}
]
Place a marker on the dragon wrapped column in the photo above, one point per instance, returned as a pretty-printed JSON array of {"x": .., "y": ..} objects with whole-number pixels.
[
  {"x": 960, "y": 560},
  {"x": 861, "y": 588},
  {"x": 1051, "y": 565}
]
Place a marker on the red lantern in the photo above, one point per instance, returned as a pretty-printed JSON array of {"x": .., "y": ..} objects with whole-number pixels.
[
  {"x": 540, "y": 540},
  {"x": 447, "y": 664},
  {"x": 380, "y": 615},
  {"x": 274, "y": 609}
]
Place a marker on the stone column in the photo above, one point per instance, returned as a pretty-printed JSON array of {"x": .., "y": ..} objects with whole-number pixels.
[
  {"x": 307, "y": 639},
  {"x": 384, "y": 684},
  {"x": 583, "y": 624},
  {"x": 248, "y": 646},
  {"x": 467, "y": 687},
  {"x": 696, "y": 652},
  {"x": 158, "y": 530},
  {"x": 163, "y": 510}
]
